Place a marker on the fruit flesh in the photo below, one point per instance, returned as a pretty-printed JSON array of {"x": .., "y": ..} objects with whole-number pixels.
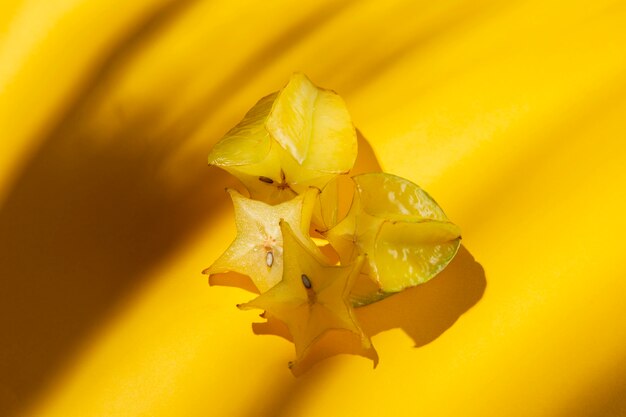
[
  {"x": 313, "y": 297},
  {"x": 257, "y": 250},
  {"x": 403, "y": 232},
  {"x": 314, "y": 126},
  {"x": 299, "y": 137},
  {"x": 409, "y": 254}
]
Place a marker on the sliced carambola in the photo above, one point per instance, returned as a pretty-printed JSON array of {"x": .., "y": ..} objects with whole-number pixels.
[
  {"x": 404, "y": 233},
  {"x": 299, "y": 137},
  {"x": 257, "y": 250},
  {"x": 313, "y": 297}
]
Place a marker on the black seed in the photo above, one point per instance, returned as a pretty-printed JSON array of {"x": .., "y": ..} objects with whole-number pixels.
[
  {"x": 306, "y": 282},
  {"x": 267, "y": 180}
]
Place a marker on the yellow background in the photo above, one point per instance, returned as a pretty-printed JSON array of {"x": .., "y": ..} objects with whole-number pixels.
[{"x": 511, "y": 114}]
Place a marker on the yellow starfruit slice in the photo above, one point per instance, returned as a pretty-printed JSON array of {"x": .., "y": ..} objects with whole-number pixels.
[
  {"x": 312, "y": 298},
  {"x": 257, "y": 250},
  {"x": 299, "y": 137},
  {"x": 404, "y": 233}
]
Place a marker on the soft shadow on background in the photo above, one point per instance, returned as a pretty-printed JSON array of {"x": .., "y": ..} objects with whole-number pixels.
[
  {"x": 497, "y": 103},
  {"x": 80, "y": 230},
  {"x": 91, "y": 214}
]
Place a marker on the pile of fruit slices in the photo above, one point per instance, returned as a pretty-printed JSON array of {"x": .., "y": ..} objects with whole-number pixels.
[{"x": 291, "y": 151}]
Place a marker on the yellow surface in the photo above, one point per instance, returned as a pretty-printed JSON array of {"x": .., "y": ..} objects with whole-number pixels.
[{"x": 512, "y": 115}]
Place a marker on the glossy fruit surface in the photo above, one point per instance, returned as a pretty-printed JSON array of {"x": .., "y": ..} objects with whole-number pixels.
[
  {"x": 257, "y": 251},
  {"x": 298, "y": 137},
  {"x": 313, "y": 296},
  {"x": 404, "y": 234}
]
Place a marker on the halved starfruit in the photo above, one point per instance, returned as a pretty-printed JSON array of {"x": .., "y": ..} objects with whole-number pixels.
[
  {"x": 257, "y": 250},
  {"x": 299, "y": 137},
  {"x": 405, "y": 235},
  {"x": 312, "y": 297}
]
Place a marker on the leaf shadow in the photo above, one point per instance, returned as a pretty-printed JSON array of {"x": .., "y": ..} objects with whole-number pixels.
[
  {"x": 91, "y": 213},
  {"x": 80, "y": 232}
]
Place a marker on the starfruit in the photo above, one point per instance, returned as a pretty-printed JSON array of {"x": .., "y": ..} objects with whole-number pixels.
[
  {"x": 313, "y": 297},
  {"x": 257, "y": 250},
  {"x": 405, "y": 235},
  {"x": 299, "y": 137}
]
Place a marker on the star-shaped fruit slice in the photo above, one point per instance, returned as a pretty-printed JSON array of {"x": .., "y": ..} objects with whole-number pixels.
[
  {"x": 312, "y": 298},
  {"x": 257, "y": 250},
  {"x": 407, "y": 237},
  {"x": 299, "y": 137}
]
